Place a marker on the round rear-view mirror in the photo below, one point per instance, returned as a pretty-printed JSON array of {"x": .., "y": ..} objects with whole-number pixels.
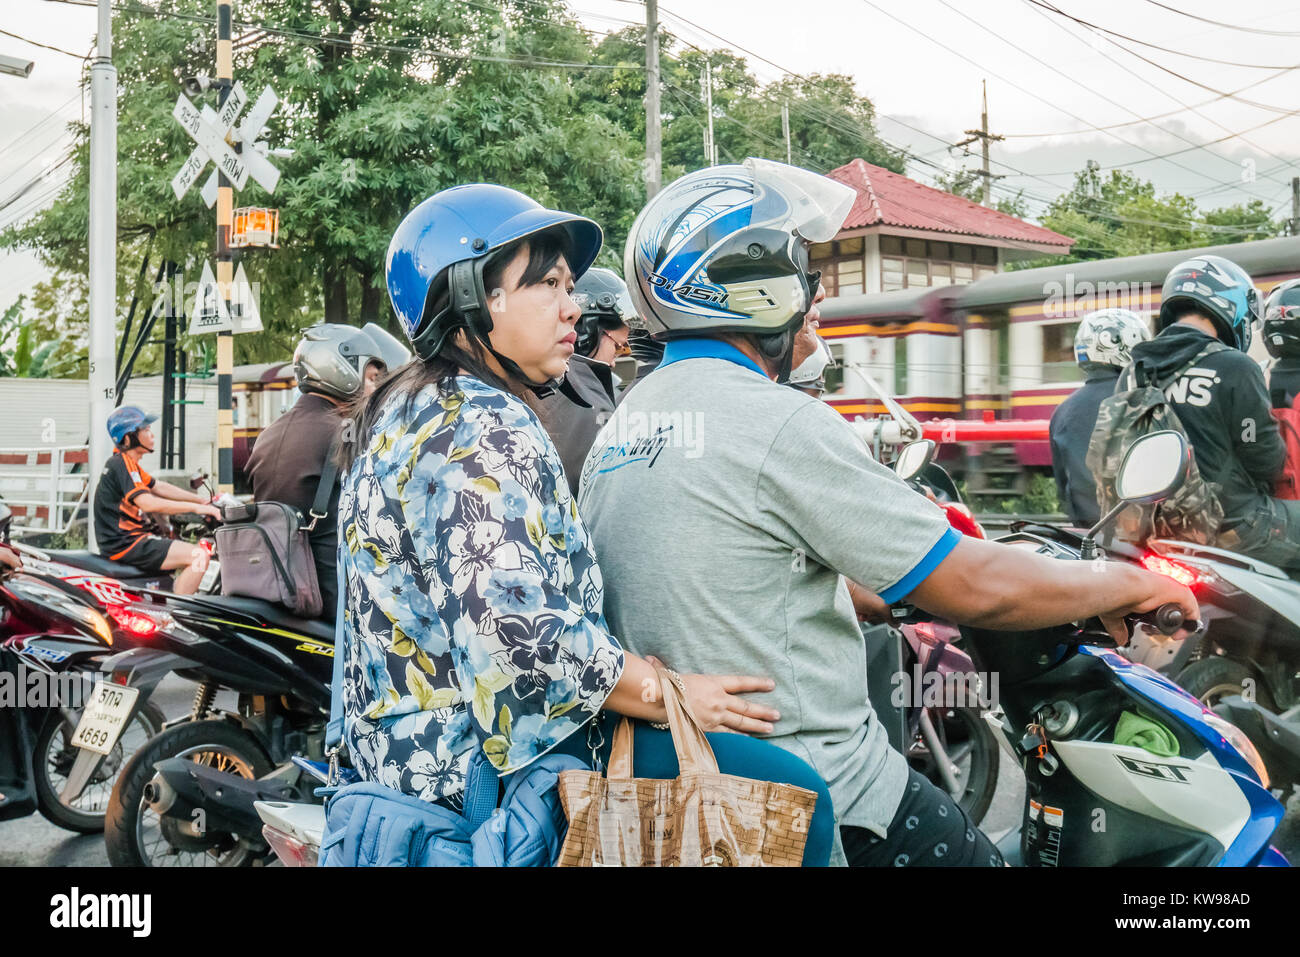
[
  {"x": 1154, "y": 466},
  {"x": 913, "y": 458}
]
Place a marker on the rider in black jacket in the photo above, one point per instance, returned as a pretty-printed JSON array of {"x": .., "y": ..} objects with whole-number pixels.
[
  {"x": 1223, "y": 404},
  {"x": 1282, "y": 340},
  {"x": 1102, "y": 346}
]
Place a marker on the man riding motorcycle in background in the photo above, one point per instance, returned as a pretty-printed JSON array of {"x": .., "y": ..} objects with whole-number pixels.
[
  {"x": 333, "y": 365},
  {"x": 723, "y": 549},
  {"x": 602, "y": 332},
  {"x": 1281, "y": 336},
  {"x": 1103, "y": 346},
  {"x": 125, "y": 497},
  {"x": 1208, "y": 308}
]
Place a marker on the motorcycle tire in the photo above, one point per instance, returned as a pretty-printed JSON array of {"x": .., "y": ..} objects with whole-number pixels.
[
  {"x": 130, "y": 821},
  {"x": 52, "y": 752},
  {"x": 1215, "y": 677},
  {"x": 967, "y": 736}
]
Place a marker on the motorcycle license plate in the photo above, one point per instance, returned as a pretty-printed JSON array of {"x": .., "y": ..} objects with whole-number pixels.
[{"x": 105, "y": 716}]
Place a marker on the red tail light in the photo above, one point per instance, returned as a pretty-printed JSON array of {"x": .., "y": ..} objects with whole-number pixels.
[
  {"x": 1170, "y": 569},
  {"x": 291, "y": 851},
  {"x": 133, "y": 622}
]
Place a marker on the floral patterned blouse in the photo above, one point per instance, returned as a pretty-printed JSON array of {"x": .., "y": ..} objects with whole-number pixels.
[{"x": 473, "y": 610}]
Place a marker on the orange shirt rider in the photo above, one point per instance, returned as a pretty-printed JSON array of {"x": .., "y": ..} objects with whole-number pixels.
[{"x": 121, "y": 483}]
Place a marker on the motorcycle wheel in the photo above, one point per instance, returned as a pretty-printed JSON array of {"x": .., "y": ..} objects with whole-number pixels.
[
  {"x": 1218, "y": 677},
  {"x": 54, "y": 756},
  {"x": 971, "y": 748},
  {"x": 136, "y": 836}
]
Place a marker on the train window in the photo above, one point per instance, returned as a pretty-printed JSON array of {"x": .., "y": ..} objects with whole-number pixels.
[
  {"x": 962, "y": 273},
  {"x": 900, "y": 365},
  {"x": 849, "y": 247},
  {"x": 891, "y": 274},
  {"x": 819, "y": 251},
  {"x": 916, "y": 247},
  {"x": 963, "y": 253},
  {"x": 987, "y": 255},
  {"x": 891, "y": 246},
  {"x": 917, "y": 274},
  {"x": 940, "y": 274},
  {"x": 1058, "y": 353}
]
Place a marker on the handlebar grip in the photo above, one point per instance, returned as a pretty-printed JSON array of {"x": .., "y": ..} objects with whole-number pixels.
[{"x": 1168, "y": 618}]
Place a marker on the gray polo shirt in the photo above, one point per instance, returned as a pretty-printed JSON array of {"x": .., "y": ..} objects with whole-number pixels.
[{"x": 724, "y": 509}]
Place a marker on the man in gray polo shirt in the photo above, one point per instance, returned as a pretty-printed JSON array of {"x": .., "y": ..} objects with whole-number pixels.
[{"x": 725, "y": 509}]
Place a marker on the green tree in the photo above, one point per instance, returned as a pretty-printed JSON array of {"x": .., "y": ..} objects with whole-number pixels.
[{"x": 383, "y": 105}]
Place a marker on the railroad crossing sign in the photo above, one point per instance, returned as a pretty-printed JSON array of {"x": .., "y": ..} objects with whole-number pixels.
[
  {"x": 211, "y": 132},
  {"x": 211, "y": 312}
]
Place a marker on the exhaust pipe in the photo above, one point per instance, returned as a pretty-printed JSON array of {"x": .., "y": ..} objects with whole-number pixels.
[{"x": 159, "y": 795}]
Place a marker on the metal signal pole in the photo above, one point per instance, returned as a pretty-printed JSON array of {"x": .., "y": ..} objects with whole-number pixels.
[
  {"x": 225, "y": 269},
  {"x": 103, "y": 251}
]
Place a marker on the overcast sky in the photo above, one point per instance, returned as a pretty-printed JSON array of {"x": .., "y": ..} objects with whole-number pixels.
[{"x": 921, "y": 63}]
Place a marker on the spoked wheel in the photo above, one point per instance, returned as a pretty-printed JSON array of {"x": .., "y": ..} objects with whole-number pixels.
[
  {"x": 969, "y": 749},
  {"x": 54, "y": 756},
  {"x": 137, "y": 836}
]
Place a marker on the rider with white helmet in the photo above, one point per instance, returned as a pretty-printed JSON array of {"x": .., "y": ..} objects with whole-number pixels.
[
  {"x": 728, "y": 510},
  {"x": 1103, "y": 346}
]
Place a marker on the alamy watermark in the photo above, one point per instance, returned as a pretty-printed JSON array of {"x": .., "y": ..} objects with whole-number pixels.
[{"x": 1062, "y": 300}]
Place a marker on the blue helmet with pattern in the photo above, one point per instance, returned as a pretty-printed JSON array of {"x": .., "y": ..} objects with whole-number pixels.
[
  {"x": 444, "y": 243},
  {"x": 724, "y": 249},
  {"x": 1218, "y": 289}
]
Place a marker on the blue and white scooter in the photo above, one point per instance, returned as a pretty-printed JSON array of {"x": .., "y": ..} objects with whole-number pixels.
[{"x": 1122, "y": 766}]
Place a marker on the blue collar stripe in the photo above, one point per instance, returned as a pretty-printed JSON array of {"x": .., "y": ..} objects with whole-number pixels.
[{"x": 706, "y": 348}]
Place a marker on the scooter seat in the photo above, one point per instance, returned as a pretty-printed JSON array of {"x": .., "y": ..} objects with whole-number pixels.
[
  {"x": 272, "y": 613},
  {"x": 97, "y": 564}
]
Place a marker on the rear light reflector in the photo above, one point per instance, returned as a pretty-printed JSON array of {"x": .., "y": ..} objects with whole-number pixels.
[
  {"x": 291, "y": 851},
  {"x": 1170, "y": 569}
]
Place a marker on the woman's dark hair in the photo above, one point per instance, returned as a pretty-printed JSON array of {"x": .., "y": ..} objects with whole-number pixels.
[{"x": 544, "y": 251}]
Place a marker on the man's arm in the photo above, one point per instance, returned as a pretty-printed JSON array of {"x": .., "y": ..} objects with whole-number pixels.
[
  {"x": 149, "y": 502},
  {"x": 168, "y": 491},
  {"x": 1010, "y": 588}
]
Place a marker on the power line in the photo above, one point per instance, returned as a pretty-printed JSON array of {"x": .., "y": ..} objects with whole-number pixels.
[
  {"x": 1226, "y": 26},
  {"x": 44, "y": 46}
]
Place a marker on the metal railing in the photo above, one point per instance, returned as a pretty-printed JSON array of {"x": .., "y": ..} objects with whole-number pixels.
[{"x": 39, "y": 487}]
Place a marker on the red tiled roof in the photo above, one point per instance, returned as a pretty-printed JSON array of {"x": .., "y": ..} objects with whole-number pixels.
[{"x": 886, "y": 198}]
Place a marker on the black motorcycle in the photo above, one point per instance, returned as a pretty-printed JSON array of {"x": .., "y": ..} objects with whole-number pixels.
[{"x": 186, "y": 797}]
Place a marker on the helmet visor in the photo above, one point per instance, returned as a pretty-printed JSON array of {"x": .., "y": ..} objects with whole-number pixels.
[{"x": 810, "y": 205}]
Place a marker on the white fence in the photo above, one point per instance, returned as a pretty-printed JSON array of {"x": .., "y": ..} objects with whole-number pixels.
[{"x": 40, "y": 486}]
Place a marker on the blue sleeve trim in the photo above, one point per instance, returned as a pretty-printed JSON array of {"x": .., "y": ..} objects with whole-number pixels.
[{"x": 907, "y": 584}]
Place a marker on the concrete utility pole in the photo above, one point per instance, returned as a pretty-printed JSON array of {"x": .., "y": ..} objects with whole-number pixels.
[
  {"x": 785, "y": 130},
  {"x": 103, "y": 250},
  {"x": 1295, "y": 205},
  {"x": 225, "y": 270},
  {"x": 653, "y": 133},
  {"x": 710, "y": 147},
  {"x": 985, "y": 137}
]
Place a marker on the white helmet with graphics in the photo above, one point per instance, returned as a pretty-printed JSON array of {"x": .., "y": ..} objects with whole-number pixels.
[
  {"x": 1105, "y": 339},
  {"x": 724, "y": 249}
]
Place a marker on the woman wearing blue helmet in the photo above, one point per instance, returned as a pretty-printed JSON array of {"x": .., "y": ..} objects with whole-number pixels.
[{"x": 472, "y": 610}]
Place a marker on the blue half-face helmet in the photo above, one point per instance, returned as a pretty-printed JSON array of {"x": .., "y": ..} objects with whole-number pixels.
[
  {"x": 453, "y": 232},
  {"x": 129, "y": 418}
]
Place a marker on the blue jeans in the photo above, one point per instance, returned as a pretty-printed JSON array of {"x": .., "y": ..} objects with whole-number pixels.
[{"x": 653, "y": 756}]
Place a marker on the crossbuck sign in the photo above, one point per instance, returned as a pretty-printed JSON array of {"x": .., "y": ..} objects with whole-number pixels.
[{"x": 210, "y": 130}]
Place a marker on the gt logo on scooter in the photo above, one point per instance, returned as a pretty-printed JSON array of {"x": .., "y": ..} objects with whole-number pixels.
[{"x": 1153, "y": 769}]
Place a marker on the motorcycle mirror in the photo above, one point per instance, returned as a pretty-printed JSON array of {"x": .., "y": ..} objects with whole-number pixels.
[
  {"x": 1154, "y": 466},
  {"x": 6, "y": 518},
  {"x": 913, "y": 458},
  {"x": 197, "y": 479}
]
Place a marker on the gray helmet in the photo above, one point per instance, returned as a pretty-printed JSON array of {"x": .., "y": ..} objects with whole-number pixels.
[
  {"x": 811, "y": 373},
  {"x": 331, "y": 360}
]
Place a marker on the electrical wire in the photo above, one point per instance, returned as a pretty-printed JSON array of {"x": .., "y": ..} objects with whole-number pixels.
[
  {"x": 44, "y": 46},
  {"x": 1226, "y": 26}
]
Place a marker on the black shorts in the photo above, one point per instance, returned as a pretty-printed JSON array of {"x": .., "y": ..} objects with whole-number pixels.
[
  {"x": 929, "y": 830},
  {"x": 147, "y": 553}
]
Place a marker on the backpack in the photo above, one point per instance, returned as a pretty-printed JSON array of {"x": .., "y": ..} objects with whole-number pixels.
[
  {"x": 266, "y": 548},
  {"x": 1139, "y": 406},
  {"x": 1287, "y": 485},
  {"x": 370, "y": 825}
]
